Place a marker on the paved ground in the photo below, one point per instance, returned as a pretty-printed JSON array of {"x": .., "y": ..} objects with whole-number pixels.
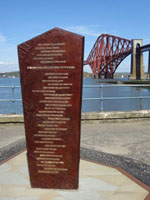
[
  {"x": 125, "y": 145},
  {"x": 10, "y": 134},
  {"x": 96, "y": 182},
  {"x": 130, "y": 139},
  {"x": 12, "y": 140}
]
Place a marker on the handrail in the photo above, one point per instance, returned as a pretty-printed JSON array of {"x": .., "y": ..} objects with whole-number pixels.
[
  {"x": 12, "y": 99},
  {"x": 101, "y": 98},
  {"x": 115, "y": 85}
]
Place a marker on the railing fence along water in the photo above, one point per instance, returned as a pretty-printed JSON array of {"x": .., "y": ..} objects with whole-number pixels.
[
  {"x": 102, "y": 98},
  {"x": 12, "y": 100}
]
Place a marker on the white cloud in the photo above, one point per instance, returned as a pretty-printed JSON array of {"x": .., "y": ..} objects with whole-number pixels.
[
  {"x": 2, "y": 38},
  {"x": 85, "y": 30},
  {"x": 8, "y": 66},
  {"x": 7, "y": 63}
]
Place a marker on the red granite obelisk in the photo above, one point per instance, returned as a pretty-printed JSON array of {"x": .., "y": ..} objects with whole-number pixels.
[{"x": 51, "y": 67}]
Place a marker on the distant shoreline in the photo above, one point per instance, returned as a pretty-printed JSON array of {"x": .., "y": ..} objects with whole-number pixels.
[
  {"x": 10, "y": 74},
  {"x": 16, "y": 74}
]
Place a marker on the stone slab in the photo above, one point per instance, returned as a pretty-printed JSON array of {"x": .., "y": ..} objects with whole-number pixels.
[
  {"x": 123, "y": 145},
  {"x": 51, "y": 67},
  {"x": 97, "y": 182}
]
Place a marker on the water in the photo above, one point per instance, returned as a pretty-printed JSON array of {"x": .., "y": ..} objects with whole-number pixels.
[
  {"x": 87, "y": 105},
  {"x": 6, "y": 93},
  {"x": 114, "y": 105}
]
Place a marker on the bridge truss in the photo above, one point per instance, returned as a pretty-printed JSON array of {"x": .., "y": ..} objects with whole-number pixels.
[{"x": 106, "y": 55}]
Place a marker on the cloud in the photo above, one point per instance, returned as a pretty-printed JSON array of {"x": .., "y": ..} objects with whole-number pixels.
[
  {"x": 2, "y": 38},
  {"x": 8, "y": 66},
  {"x": 89, "y": 30},
  {"x": 7, "y": 63}
]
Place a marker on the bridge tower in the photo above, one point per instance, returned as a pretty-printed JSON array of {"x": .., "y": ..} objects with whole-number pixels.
[
  {"x": 137, "y": 68},
  {"x": 148, "y": 73}
]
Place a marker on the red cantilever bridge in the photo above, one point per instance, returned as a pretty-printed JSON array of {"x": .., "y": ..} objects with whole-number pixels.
[{"x": 109, "y": 51}]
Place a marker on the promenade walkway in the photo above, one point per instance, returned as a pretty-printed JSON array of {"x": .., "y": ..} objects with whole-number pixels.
[
  {"x": 123, "y": 145},
  {"x": 129, "y": 139}
]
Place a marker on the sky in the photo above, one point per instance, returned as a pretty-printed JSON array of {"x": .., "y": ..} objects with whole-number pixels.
[{"x": 21, "y": 20}]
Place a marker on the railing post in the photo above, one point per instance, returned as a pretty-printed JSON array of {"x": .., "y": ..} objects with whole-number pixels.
[
  {"x": 13, "y": 99},
  {"x": 140, "y": 98},
  {"x": 101, "y": 98}
]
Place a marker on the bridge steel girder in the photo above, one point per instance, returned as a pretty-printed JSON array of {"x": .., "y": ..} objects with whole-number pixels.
[{"x": 106, "y": 55}]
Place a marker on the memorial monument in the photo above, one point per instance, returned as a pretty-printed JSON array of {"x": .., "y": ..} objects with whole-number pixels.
[{"x": 51, "y": 67}]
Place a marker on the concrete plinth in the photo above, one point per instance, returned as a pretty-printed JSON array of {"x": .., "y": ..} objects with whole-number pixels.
[{"x": 97, "y": 182}]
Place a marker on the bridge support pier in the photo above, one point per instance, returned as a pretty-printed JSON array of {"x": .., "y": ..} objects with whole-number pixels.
[
  {"x": 95, "y": 76},
  {"x": 98, "y": 76},
  {"x": 137, "y": 69},
  {"x": 109, "y": 76},
  {"x": 148, "y": 73}
]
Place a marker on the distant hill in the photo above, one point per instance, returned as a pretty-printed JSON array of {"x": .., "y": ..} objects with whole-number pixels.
[
  {"x": 17, "y": 74},
  {"x": 121, "y": 74},
  {"x": 87, "y": 74},
  {"x": 9, "y": 74}
]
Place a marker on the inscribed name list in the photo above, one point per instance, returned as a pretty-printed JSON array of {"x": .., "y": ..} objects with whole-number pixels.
[{"x": 51, "y": 78}]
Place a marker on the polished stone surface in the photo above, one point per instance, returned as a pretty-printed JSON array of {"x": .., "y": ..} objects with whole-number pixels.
[
  {"x": 51, "y": 66},
  {"x": 96, "y": 182}
]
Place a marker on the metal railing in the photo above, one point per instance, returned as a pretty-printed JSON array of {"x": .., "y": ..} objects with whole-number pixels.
[
  {"x": 102, "y": 98},
  {"x": 12, "y": 100}
]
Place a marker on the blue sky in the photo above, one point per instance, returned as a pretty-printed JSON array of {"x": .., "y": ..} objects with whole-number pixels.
[{"x": 21, "y": 20}]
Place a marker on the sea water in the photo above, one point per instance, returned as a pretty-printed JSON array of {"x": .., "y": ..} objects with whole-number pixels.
[{"x": 87, "y": 105}]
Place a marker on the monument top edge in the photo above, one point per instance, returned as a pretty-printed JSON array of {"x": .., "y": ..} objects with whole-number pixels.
[{"x": 51, "y": 31}]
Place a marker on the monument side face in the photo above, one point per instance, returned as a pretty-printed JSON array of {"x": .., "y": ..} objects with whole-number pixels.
[{"x": 51, "y": 67}]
